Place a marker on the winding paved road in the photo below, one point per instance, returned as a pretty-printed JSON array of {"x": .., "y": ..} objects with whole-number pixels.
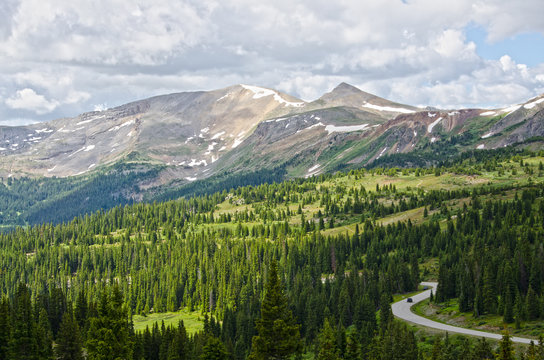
[{"x": 401, "y": 309}]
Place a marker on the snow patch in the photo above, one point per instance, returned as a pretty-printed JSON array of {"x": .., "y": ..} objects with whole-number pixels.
[
  {"x": 313, "y": 168},
  {"x": 332, "y": 128},
  {"x": 91, "y": 166},
  {"x": 488, "y": 113},
  {"x": 84, "y": 122},
  {"x": 533, "y": 103},
  {"x": 316, "y": 125},
  {"x": 44, "y": 130},
  {"x": 197, "y": 163},
  {"x": 387, "y": 108},
  {"x": 188, "y": 178},
  {"x": 85, "y": 148},
  {"x": 433, "y": 139},
  {"x": 453, "y": 113},
  {"x": 115, "y": 128},
  {"x": 433, "y": 124},
  {"x": 480, "y": 147},
  {"x": 205, "y": 130},
  {"x": 383, "y": 151},
  {"x": 218, "y": 135},
  {"x": 223, "y": 97},
  {"x": 489, "y": 134},
  {"x": 223, "y": 148},
  {"x": 2, "y": 149},
  {"x": 431, "y": 115},
  {"x": 259, "y": 92},
  {"x": 511, "y": 109},
  {"x": 415, "y": 133},
  {"x": 53, "y": 168},
  {"x": 237, "y": 142}
]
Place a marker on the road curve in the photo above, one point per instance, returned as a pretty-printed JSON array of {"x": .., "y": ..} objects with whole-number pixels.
[{"x": 402, "y": 310}]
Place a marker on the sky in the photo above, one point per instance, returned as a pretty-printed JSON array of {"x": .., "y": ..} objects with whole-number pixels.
[{"x": 60, "y": 58}]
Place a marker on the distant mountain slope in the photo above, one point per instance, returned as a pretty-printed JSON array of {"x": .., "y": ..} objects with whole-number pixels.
[
  {"x": 239, "y": 135},
  {"x": 189, "y": 131}
]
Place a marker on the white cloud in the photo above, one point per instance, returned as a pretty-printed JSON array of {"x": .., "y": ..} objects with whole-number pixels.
[
  {"x": 75, "y": 54},
  {"x": 504, "y": 19},
  {"x": 27, "y": 99}
]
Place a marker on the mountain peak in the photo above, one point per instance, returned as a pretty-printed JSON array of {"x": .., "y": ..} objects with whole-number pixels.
[
  {"x": 345, "y": 87},
  {"x": 345, "y": 92}
]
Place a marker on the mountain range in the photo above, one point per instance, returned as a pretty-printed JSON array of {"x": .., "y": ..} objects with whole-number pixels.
[{"x": 242, "y": 129}]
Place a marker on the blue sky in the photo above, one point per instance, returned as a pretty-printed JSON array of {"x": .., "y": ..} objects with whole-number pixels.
[
  {"x": 61, "y": 58},
  {"x": 524, "y": 48}
]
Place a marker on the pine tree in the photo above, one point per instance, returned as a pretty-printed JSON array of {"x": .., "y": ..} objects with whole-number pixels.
[
  {"x": 81, "y": 310},
  {"x": 532, "y": 304},
  {"x": 531, "y": 353},
  {"x": 279, "y": 335},
  {"x": 44, "y": 337},
  {"x": 508, "y": 315},
  {"x": 482, "y": 350},
  {"x": 386, "y": 315},
  {"x": 69, "y": 345},
  {"x": 5, "y": 329},
  {"x": 327, "y": 343},
  {"x": 214, "y": 349},
  {"x": 489, "y": 293},
  {"x": 109, "y": 333},
  {"x": 506, "y": 348},
  {"x": 519, "y": 309},
  {"x": 352, "y": 345},
  {"x": 178, "y": 350},
  {"x": 23, "y": 344},
  {"x": 436, "y": 352}
]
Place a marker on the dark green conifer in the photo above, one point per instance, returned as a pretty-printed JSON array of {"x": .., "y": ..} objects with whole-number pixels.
[
  {"x": 506, "y": 348},
  {"x": 5, "y": 329},
  {"x": 327, "y": 343},
  {"x": 23, "y": 344},
  {"x": 69, "y": 344},
  {"x": 278, "y": 334},
  {"x": 109, "y": 333}
]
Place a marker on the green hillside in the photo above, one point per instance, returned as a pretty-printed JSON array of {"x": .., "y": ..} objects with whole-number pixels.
[{"x": 343, "y": 243}]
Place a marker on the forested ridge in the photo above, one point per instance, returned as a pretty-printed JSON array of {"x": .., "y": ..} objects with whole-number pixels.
[{"x": 331, "y": 251}]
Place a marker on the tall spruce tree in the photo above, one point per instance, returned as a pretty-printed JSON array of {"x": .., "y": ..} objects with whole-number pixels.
[
  {"x": 327, "y": 343},
  {"x": 506, "y": 348},
  {"x": 109, "y": 335},
  {"x": 44, "y": 337},
  {"x": 23, "y": 344},
  {"x": 5, "y": 329},
  {"x": 68, "y": 340},
  {"x": 279, "y": 335}
]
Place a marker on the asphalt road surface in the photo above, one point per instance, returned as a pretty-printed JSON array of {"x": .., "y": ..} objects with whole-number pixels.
[{"x": 402, "y": 310}]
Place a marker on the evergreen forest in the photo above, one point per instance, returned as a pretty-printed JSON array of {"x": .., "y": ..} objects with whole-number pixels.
[{"x": 298, "y": 269}]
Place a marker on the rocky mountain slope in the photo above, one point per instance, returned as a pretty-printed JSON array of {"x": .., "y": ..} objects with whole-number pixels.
[{"x": 195, "y": 135}]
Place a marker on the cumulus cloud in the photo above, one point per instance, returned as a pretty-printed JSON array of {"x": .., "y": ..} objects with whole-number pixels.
[
  {"x": 61, "y": 58},
  {"x": 27, "y": 99}
]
